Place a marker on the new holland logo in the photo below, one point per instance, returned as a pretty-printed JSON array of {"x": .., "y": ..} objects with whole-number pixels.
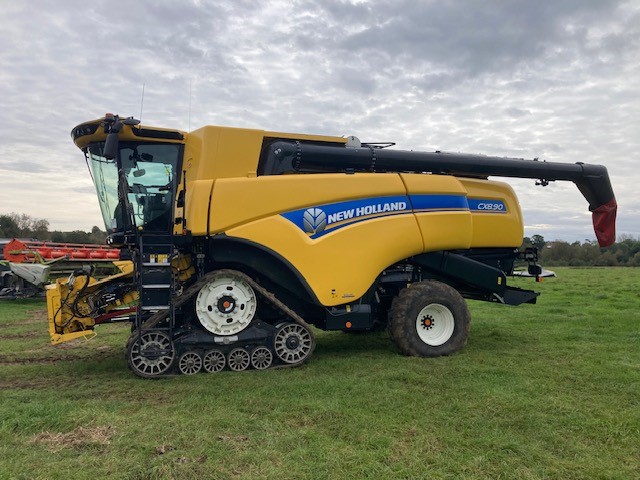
[{"x": 314, "y": 220}]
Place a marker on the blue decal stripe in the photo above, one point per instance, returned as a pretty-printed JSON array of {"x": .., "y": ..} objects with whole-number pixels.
[
  {"x": 340, "y": 214},
  {"x": 439, "y": 202},
  {"x": 319, "y": 220},
  {"x": 432, "y": 210}
]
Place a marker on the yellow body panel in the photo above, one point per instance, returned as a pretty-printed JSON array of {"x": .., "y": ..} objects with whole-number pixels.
[
  {"x": 196, "y": 209},
  {"x": 340, "y": 266},
  {"x": 223, "y": 153},
  {"x": 495, "y": 229},
  {"x": 342, "y": 263},
  {"x": 226, "y": 152},
  {"x": 236, "y": 201},
  {"x": 446, "y": 229}
]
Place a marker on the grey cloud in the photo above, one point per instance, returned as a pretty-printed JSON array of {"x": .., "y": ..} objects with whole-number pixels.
[
  {"x": 468, "y": 40},
  {"x": 557, "y": 80},
  {"x": 516, "y": 112},
  {"x": 20, "y": 165}
]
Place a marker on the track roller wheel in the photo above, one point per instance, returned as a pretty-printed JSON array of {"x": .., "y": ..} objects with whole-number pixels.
[
  {"x": 429, "y": 319},
  {"x": 293, "y": 343},
  {"x": 150, "y": 355},
  {"x": 214, "y": 361},
  {"x": 189, "y": 363},
  {"x": 261, "y": 358},
  {"x": 239, "y": 359}
]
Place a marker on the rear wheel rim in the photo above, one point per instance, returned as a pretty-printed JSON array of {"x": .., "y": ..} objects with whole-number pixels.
[{"x": 435, "y": 324}]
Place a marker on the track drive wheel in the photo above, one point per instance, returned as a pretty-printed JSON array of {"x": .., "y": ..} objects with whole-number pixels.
[
  {"x": 226, "y": 304},
  {"x": 151, "y": 354},
  {"x": 429, "y": 319},
  {"x": 293, "y": 343}
]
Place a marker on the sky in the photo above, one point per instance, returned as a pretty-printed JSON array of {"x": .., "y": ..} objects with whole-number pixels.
[{"x": 557, "y": 80}]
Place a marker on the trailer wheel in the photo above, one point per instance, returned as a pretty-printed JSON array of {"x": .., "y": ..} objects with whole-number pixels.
[{"x": 429, "y": 319}]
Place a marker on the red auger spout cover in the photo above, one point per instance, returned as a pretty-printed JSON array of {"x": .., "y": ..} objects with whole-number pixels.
[{"x": 604, "y": 223}]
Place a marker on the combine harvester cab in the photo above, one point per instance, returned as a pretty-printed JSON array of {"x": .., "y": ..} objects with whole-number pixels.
[{"x": 242, "y": 239}]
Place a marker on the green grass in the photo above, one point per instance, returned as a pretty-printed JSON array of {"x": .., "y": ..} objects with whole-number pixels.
[{"x": 541, "y": 391}]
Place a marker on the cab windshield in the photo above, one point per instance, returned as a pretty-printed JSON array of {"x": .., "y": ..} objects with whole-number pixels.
[{"x": 150, "y": 173}]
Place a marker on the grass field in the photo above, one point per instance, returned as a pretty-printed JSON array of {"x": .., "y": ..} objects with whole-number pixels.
[{"x": 541, "y": 391}]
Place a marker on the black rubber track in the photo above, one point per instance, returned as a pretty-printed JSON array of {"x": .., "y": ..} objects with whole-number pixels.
[
  {"x": 160, "y": 317},
  {"x": 404, "y": 312}
]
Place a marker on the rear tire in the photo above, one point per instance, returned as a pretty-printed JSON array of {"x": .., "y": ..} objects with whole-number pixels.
[{"x": 429, "y": 319}]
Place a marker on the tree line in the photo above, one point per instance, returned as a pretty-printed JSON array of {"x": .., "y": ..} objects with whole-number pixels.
[
  {"x": 625, "y": 252},
  {"x": 20, "y": 225}
]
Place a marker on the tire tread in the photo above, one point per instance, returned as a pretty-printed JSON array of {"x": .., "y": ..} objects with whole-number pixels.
[{"x": 410, "y": 301}]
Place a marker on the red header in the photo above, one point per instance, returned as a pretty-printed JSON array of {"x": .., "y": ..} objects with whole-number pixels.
[{"x": 34, "y": 251}]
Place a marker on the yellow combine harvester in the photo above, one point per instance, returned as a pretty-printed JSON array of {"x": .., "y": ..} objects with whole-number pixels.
[{"x": 241, "y": 239}]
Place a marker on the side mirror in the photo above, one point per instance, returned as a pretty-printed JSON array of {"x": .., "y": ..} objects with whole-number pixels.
[
  {"x": 112, "y": 127},
  {"x": 111, "y": 146}
]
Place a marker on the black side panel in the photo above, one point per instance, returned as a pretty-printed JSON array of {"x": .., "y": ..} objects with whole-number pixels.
[
  {"x": 463, "y": 270},
  {"x": 472, "y": 278},
  {"x": 500, "y": 258}
]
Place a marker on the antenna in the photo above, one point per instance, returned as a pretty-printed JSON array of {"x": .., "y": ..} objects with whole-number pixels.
[
  {"x": 189, "y": 130},
  {"x": 141, "y": 103}
]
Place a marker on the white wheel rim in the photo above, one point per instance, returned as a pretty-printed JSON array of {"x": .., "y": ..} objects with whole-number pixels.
[
  {"x": 261, "y": 358},
  {"x": 214, "y": 361},
  {"x": 435, "y": 324},
  {"x": 154, "y": 364},
  {"x": 226, "y": 305},
  {"x": 190, "y": 363},
  {"x": 238, "y": 359},
  {"x": 293, "y": 343}
]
